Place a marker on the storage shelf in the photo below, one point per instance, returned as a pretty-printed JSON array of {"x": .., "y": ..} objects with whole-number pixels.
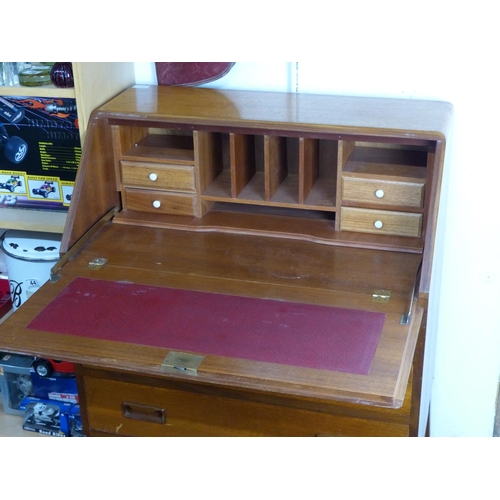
[
  {"x": 95, "y": 83},
  {"x": 43, "y": 91},
  {"x": 32, "y": 220}
]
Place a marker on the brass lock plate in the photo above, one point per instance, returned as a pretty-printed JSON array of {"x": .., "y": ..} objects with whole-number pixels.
[{"x": 181, "y": 362}]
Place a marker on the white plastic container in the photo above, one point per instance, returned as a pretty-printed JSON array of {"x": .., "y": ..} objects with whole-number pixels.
[{"x": 29, "y": 256}]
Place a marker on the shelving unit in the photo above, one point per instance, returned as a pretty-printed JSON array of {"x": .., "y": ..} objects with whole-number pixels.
[
  {"x": 95, "y": 83},
  {"x": 32, "y": 220},
  {"x": 276, "y": 171}
]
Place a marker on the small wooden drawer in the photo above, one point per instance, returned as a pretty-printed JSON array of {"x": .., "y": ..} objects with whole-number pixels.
[
  {"x": 381, "y": 222},
  {"x": 383, "y": 192},
  {"x": 138, "y": 409},
  {"x": 158, "y": 176},
  {"x": 160, "y": 202}
]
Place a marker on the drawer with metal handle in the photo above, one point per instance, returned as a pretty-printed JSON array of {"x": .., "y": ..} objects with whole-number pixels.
[{"x": 139, "y": 409}]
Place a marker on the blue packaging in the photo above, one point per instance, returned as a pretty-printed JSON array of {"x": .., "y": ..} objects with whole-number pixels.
[
  {"x": 57, "y": 388},
  {"x": 46, "y": 416}
]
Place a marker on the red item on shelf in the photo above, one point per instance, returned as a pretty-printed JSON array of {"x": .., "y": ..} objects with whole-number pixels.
[{"x": 5, "y": 298}]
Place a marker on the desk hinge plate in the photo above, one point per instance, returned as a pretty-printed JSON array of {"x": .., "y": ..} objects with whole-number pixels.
[
  {"x": 381, "y": 296},
  {"x": 181, "y": 362},
  {"x": 97, "y": 263}
]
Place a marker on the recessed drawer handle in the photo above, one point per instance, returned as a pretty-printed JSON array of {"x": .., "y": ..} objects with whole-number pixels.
[
  {"x": 153, "y": 177},
  {"x": 145, "y": 413},
  {"x": 157, "y": 204},
  {"x": 378, "y": 224},
  {"x": 379, "y": 193}
]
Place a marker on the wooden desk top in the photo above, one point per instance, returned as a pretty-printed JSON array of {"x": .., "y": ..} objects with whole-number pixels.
[
  {"x": 283, "y": 110},
  {"x": 244, "y": 265}
]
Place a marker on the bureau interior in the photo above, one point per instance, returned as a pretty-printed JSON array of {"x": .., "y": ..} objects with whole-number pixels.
[{"x": 278, "y": 170}]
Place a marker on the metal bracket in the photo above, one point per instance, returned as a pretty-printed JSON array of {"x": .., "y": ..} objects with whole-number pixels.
[
  {"x": 97, "y": 263},
  {"x": 405, "y": 319},
  {"x": 182, "y": 362}
]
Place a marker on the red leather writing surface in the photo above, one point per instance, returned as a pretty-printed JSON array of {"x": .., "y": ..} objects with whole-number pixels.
[{"x": 208, "y": 323}]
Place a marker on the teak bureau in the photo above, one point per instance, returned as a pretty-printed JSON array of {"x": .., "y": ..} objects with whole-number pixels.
[{"x": 247, "y": 263}]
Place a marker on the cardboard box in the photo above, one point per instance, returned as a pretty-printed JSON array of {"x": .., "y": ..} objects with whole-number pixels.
[
  {"x": 59, "y": 387},
  {"x": 40, "y": 152}
]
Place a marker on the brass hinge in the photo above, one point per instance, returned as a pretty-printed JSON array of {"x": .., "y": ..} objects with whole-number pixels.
[
  {"x": 97, "y": 263},
  {"x": 382, "y": 296},
  {"x": 182, "y": 362}
]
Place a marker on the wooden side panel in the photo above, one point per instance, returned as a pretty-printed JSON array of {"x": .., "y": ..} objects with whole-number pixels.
[
  {"x": 275, "y": 164},
  {"x": 328, "y": 157},
  {"x": 435, "y": 168},
  {"x": 95, "y": 185},
  {"x": 242, "y": 153},
  {"x": 345, "y": 149},
  {"x": 308, "y": 166},
  {"x": 208, "y": 158},
  {"x": 344, "y": 153}
]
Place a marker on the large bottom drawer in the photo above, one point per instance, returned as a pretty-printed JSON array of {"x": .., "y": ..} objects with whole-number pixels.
[{"x": 134, "y": 409}]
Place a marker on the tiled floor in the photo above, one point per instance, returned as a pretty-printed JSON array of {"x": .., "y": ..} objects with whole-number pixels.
[{"x": 12, "y": 426}]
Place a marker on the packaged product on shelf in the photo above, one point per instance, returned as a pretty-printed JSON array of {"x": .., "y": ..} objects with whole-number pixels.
[
  {"x": 75, "y": 422},
  {"x": 15, "y": 381},
  {"x": 57, "y": 387},
  {"x": 46, "y": 416},
  {"x": 40, "y": 151}
]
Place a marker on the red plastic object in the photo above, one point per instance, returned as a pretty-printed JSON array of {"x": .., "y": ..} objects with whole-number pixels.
[
  {"x": 5, "y": 298},
  {"x": 62, "y": 366}
]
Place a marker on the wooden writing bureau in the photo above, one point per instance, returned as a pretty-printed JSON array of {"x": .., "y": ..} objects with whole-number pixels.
[{"x": 246, "y": 263}]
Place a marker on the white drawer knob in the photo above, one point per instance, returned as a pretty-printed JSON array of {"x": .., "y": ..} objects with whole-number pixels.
[
  {"x": 378, "y": 224},
  {"x": 157, "y": 204},
  {"x": 153, "y": 176},
  {"x": 379, "y": 193}
]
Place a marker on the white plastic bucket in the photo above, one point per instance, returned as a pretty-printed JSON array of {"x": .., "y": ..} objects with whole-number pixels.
[{"x": 29, "y": 256}]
